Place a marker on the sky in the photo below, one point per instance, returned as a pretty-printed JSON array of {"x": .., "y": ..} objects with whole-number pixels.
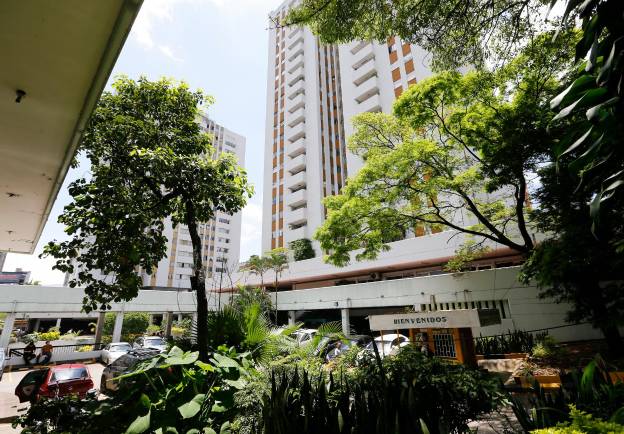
[{"x": 219, "y": 46}]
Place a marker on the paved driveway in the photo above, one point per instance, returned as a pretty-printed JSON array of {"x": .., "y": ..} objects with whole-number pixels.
[{"x": 10, "y": 405}]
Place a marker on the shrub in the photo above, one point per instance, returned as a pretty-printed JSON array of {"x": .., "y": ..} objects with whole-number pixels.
[
  {"x": 582, "y": 423},
  {"x": 517, "y": 341},
  {"x": 545, "y": 349},
  {"x": 152, "y": 329},
  {"x": 69, "y": 336},
  {"x": 52, "y": 334},
  {"x": 302, "y": 249},
  {"x": 85, "y": 348},
  {"x": 133, "y": 323},
  {"x": 400, "y": 395}
]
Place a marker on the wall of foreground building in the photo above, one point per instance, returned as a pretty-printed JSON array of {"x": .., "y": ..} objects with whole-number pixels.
[{"x": 520, "y": 306}]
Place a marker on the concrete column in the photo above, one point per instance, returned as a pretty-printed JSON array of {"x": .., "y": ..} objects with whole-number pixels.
[
  {"x": 151, "y": 319},
  {"x": 168, "y": 319},
  {"x": 37, "y": 324},
  {"x": 58, "y": 323},
  {"x": 5, "y": 337},
  {"x": 179, "y": 318},
  {"x": 118, "y": 326},
  {"x": 346, "y": 326},
  {"x": 99, "y": 327},
  {"x": 291, "y": 317}
]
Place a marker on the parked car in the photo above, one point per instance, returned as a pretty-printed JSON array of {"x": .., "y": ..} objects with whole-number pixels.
[
  {"x": 122, "y": 365},
  {"x": 155, "y": 342},
  {"x": 113, "y": 351},
  {"x": 303, "y": 336},
  {"x": 328, "y": 344},
  {"x": 60, "y": 380},
  {"x": 2, "y": 361},
  {"x": 390, "y": 343}
]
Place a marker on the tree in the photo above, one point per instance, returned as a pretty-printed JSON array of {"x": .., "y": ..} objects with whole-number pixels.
[
  {"x": 134, "y": 323},
  {"x": 455, "y": 32},
  {"x": 257, "y": 265},
  {"x": 574, "y": 265},
  {"x": 456, "y": 154},
  {"x": 277, "y": 259},
  {"x": 302, "y": 249},
  {"x": 149, "y": 160}
]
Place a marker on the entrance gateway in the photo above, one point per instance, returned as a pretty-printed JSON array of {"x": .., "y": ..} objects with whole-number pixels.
[{"x": 444, "y": 333}]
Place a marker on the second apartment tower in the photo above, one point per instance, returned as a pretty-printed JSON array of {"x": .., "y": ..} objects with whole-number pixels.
[{"x": 313, "y": 91}]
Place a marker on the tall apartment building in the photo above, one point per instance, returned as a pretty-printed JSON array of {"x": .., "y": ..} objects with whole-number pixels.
[
  {"x": 313, "y": 91},
  {"x": 220, "y": 236}
]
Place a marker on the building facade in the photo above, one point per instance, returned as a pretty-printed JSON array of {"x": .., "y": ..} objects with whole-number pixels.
[
  {"x": 220, "y": 236},
  {"x": 313, "y": 91}
]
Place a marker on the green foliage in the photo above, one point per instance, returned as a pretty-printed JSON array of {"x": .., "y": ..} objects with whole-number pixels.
[
  {"x": 153, "y": 329},
  {"x": 256, "y": 265},
  {"x": 248, "y": 295},
  {"x": 517, "y": 341},
  {"x": 174, "y": 392},
  {"x": 591, "y": 390},
  {"x": 85, "y": 348},
  {"x": 134, "y": 323},
  {"x": 456, "y": 32},
  {"x": 409, "y": 391},
  {"x": 583, "y": 423},
  {"x": 52, "y": 334},
  {"x": 302, "y": 249},
  {"x": 149, "y": 160},
  {"x": 456, "y": 144},
  {"x": 545, "y": 348},
  {"x": 593, "y": 107}
]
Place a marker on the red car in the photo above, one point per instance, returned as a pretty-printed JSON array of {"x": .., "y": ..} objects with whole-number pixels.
[{"x": 60, "y": 380}]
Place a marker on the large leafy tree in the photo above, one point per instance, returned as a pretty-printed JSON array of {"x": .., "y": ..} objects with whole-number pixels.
[
  {"x": 489, "y": 32},
  {"x": 149, "y": 160},
  {"x": 457, "y": 153},
  {"x": 455, "y": 32}
]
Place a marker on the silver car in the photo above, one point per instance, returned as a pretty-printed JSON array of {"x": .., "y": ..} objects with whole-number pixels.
[
  {"x": 154, "y": 342},
  {"x": 2, "y": 361},
  {"x": 113, "y": 351}
]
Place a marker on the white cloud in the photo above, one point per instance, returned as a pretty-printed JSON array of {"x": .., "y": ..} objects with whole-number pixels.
[
  {"x": 167, "y": 51},
  {"x": 251, "y": 231}
]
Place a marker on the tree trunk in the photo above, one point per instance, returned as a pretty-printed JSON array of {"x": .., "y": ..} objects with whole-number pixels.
[
  {"x": 276, "y": 298},
  {"x": 614, "y": 340},
  {"x": 198, "y": 284}
]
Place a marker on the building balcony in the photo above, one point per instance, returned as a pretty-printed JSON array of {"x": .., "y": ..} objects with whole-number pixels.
[
  {"x": 296, "y": 181},
  {"x": 294, "y": 65},
  {"x": 366, "y": 90},
  {"x": 372, "y": 104},
  {"x": 367, "y": 70},
  {"x": 296, "y": 148},
  {"x": 365, "y": 54},
  {"x": 297, "y": 164},
  {"x": 297, "y": 217},
  {"x": 298, "y": 198},
  {"x": 296, "y": 117},
  {"x": 297, "y": 88},
  {"x": 296, "y": 132},
  {"x": 357, "y": 46},
  {"x": 297, "y": 74},
  {"x": 294, "y": 31},
  {"x": 296, "y": 234},
  {"x": 295, "y": 103},
  {"x": 295, "y": 56},
  {"x": 295, "y": 41}
]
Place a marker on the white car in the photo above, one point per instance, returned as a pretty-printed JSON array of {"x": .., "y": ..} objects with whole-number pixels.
[
  {"x": 390, "y": 343},
  {"x": 155, "y": 342},
  {"x": 115, "y": 350},
  {"x": 303, "y": 336}
]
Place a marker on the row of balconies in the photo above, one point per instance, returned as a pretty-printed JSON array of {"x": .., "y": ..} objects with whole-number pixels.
[
  {"x": 295, "y": 132},
  {"x": 295, "y": 148},
  {"x": 296, "y": 164}
]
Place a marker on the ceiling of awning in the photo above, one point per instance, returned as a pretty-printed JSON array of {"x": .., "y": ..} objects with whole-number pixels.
[{"x": 60, "y": 53}]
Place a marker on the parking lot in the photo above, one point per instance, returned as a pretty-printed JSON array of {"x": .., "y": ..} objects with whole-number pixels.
[{"x": 10, "y": 405}]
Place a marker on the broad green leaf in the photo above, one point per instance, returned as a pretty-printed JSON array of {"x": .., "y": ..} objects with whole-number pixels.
[
  {"x": 579, "y": 84},
  {"x": 145, "y": 401},
  {"x": 222, "y": 361},
  {"x": 140, "y": 424},
  {"x": 204, "y": 366},
  {"x": 184, "y": 359},
  {"x": 237, "y": 384},
  {"x": 208, "y": 430},
  {"x": 225, "y": 428},
  {"x": 192, "y": 407}
]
